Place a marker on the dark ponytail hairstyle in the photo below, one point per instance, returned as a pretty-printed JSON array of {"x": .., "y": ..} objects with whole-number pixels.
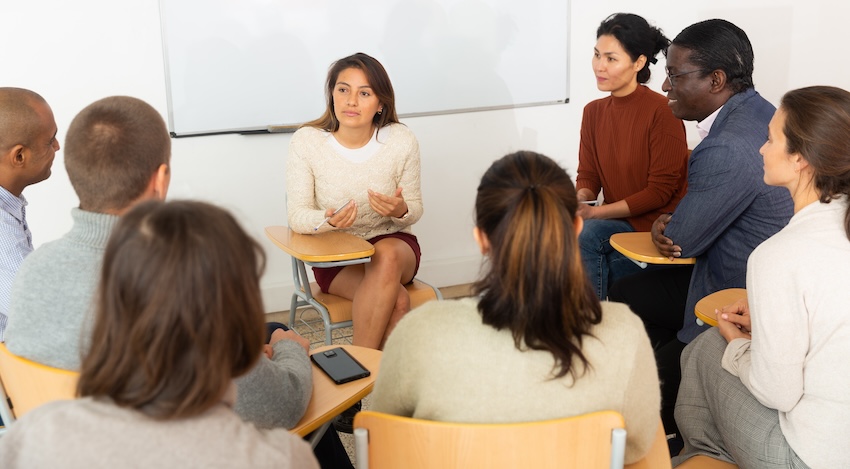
[
  {"x": 817, "y": 126},
  {"x": 637, "y": 37},
  {"x": 536, "y": 286}
]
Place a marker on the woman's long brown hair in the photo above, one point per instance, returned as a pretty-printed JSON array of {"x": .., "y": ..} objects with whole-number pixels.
[
  {"x": 535, "y": 286},
  {"x": 178, "y": 311}
]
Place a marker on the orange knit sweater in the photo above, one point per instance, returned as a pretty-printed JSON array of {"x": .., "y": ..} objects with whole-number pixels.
[{"x": 634, "y": 149}]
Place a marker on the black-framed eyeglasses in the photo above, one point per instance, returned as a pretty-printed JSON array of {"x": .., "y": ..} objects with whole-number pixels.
[{"x": 675, "y": 75}]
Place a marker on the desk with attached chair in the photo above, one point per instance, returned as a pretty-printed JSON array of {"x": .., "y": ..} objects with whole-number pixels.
[
  {"x": 329, "y": 399},
  {"x": 705, "y": 308},
  {"x": 331, "y": 249},
  {"x": 638, "y": 246}
]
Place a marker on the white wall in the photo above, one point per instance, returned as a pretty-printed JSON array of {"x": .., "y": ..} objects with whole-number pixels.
[{"x": 76, "y": 52}]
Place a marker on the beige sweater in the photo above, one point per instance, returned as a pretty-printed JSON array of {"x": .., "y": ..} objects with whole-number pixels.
[
  {"x": 88, "y": 434},
  {"x": 319, "y": 178},
  {"x": 442, "y": 363}
]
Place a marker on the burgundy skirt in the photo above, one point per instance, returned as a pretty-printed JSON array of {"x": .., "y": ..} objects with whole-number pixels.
[{"x": 325, "y": 275}]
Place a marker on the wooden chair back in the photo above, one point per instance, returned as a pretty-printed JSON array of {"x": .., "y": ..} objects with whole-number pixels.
[
  {"x": 587, "y": 441},
  {"x": 28, "y": 384}
]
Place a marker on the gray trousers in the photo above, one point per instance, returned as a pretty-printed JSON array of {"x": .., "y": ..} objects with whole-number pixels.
[{"x": 718, "y": 416}]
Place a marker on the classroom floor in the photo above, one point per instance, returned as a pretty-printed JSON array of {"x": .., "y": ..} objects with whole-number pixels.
[{"x": 314, "y": 332}]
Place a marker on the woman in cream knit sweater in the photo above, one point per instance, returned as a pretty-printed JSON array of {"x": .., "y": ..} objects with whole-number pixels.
[
  {"x": 536, "y": 344},
  {"x": 356, "y": 169}
]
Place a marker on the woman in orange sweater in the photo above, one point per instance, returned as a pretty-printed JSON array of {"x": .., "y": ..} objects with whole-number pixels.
[{"x": 632, "y": 148}]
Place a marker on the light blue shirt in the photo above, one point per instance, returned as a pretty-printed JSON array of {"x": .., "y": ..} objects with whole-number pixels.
[{"x": 15, "y": 244}]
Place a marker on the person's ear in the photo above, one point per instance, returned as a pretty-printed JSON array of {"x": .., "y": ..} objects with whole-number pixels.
[
  {"x": 639, "y": 63},
  {"x": 718, "y": 80},
  {"x": 578, "y": 224},
  {"x": 17, "y": 156},
  {"x": 161, "y": 181},
  {"x": 481, "y": 240},
  {"x": 800, "y": 163}
]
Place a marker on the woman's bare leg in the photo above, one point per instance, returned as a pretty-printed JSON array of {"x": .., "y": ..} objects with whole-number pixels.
[
  {"x": 401, "y": 308},
  {"x": 379, "y": 300}
]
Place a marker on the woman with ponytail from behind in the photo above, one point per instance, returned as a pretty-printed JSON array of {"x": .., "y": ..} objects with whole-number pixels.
[{"x": 536, "y": 343}]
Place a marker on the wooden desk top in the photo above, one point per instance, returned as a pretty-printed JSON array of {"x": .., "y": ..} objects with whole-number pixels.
[
  {"x": 330, "y": 399},
  {"x": 330, "y": 246},
  {"x": 705, "y": 307},
  {"x": 639, "y": 246}
]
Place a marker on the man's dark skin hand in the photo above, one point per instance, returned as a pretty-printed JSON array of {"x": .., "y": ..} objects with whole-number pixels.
[{"x": 664, "y": 244}]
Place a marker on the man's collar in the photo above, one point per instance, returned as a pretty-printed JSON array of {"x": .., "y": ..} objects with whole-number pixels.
[{"x": 704, "y": 126}]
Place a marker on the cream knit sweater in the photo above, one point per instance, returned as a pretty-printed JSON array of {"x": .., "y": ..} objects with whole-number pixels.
[
  {"x": 319, "y": 178},
  {"x": 443, "y": 363}
]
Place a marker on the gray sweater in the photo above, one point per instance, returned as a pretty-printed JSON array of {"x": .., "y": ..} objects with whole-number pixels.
[
  {"x": 50, "y": 322},
  {"x": 50, "y": 309},
  {"x": 276, "y": 392}
]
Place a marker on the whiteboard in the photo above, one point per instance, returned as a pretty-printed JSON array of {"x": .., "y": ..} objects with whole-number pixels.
[{"x": 246, "y": 65}]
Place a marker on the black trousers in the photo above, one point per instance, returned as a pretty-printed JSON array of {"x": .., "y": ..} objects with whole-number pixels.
[
  {"x": 330, "y": 451},
  {"x": 659, "y": 297}
]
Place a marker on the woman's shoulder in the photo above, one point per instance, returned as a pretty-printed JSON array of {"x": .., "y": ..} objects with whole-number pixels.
[
  {"x": 620, "y": 336},
  {"x": 57, "y": 410},
  {"x": 597, "y": 104},
  {"x": 269, "y": 446},
  {"x": 307, "y": 142},
  {"x": 308, "y": 134},
  {"x": 454, "y": 308},
  {"x": 441, "y": 314},
  {"x": 398, "y": 132},
  {"x": 448, "y": 321},
  {"x": 819, "y": 224},
  {"x": 619, "y": 321}
]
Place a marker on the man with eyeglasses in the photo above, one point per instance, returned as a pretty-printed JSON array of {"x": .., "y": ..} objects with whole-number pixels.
[{"x": 728, "y": 209}]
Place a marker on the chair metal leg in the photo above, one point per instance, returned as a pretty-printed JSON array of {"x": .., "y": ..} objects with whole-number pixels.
[
  {"x": 303, "y": 296},
  {"x": 618, "y": 448},
  {"x": 361, "y": 448},
  {"x": 319, "y": 433},
  {"x": 437, "y": 291}
]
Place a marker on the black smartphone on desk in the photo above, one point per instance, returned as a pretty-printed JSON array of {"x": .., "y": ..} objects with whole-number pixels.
[{"x": 339, "y": 365}]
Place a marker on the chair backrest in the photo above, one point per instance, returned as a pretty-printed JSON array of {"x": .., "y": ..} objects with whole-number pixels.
[
  {"x": 28, "y": 384},
  {"x": 595, "y": 440}
]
